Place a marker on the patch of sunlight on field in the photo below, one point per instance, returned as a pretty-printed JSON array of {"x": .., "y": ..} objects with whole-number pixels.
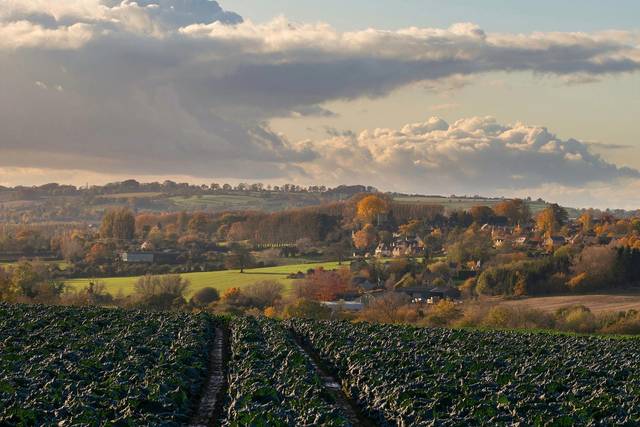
[{"x": 220, "y": 280}]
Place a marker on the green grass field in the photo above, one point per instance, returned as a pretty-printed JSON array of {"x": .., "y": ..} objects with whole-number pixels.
[{"x": 220, "y": 280}]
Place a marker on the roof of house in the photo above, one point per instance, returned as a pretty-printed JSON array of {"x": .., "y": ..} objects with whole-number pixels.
[{"x": 557, "y": 239}]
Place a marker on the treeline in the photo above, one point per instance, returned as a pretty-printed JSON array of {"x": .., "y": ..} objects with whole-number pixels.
[
  {"x": 568, "y": 270},
  {"x": 167, "y": 187},
  {"x": 284, "y": 227}
]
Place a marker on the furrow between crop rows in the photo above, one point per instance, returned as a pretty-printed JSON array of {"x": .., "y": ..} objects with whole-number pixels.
[
  {"x": 212, "y": 401},
  {"x": 271, "y": 381},
  {"x": 332, "y": 385}
]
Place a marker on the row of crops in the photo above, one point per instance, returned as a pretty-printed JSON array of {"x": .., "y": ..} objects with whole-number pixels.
[
  {"x": 91, "y": 366},
  {"x": 411, "y": 376},
  {"x": 272, "y": 380}
]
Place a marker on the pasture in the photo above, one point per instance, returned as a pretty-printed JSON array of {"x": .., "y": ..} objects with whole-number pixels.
[{"x": 220, "y": 280}]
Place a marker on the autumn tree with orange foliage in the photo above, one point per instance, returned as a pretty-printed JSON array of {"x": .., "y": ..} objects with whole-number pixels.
[
  {"x": 324, "y": 285},
  {"x": 97, "y": 254},
  {"x": 516, "y": 211},
  {"x": 370, "y": 207},
  {"x": 365, "y": 238},
  {"x": 551, "y": 219}
]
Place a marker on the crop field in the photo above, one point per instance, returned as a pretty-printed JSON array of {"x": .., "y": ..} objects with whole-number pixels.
[
  {"x": 92, "y": 366},
  {"x": 410, "y": 376},
  {"x": 273, "y": 382},
  {"x": 220, "y": 280}
]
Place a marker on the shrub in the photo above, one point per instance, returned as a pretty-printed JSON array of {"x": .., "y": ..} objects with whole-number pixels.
[
  {"x": 270, "y": 312},
  {"x": 518, "y": 318},
  {"x": 577, "y": 319},
  {"x": 443, "y": 313},
  {"x": 205, "y": 296},
  {"x": 307, "y": 309},
  {"x": 468, "y": 288},
  {"x": 263, "y": 294}
]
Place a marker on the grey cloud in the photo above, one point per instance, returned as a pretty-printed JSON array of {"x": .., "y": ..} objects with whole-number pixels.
[{"x": 184, "y": 87}]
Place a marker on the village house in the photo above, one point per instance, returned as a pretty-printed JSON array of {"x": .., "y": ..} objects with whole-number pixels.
[
  {"x": 407, "y": 247},
  {"x": 427, "y": 295},
  {"x": 382, "y": 251},
  {"x": 499, "y": 242}
]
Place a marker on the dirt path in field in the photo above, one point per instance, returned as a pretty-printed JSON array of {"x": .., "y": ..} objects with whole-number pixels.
[
  {"x": 210, "y": 408},
  {"x": 331, "y": 384}
]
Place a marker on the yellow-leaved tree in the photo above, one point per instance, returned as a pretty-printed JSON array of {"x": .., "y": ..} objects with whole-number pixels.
[{"x": 370, "y": 207}]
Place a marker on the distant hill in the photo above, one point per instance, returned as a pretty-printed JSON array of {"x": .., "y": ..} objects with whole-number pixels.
[{"x": 66, "y": 203}]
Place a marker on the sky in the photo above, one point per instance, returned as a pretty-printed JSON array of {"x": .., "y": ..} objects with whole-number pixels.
[{"x": 498, "y": 98}]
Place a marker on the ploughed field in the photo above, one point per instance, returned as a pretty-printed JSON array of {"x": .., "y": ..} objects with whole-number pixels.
[{"x": 93, "y": 366}]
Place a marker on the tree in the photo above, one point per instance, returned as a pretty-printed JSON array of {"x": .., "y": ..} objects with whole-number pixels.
[
  {"x": 263, "y": 294},
  {"x": 471, "y": 246},
  {"x": 25, "y": 277},
  {"x": 516, "y": 211},
  {"x": 339, "y": 250},
  {"x": 482, "y": 214},
  {"x": 365, "y": 238},
  {"x": 370, "y": 207},
  {"x": 411, "y": 228},
  {"x": 387, "y": 309},
  {"x": 97, "y": 254},
  {"x": 552, "y": 219},
  {"x": 307, "y": 309},
  {"x": 586, "y": 220},
  {"x": 71, "y": 248},
  {"x": 118, "y": 224},
  {"x": 239, "y": 258},
  {"x": 199, "y": 223},
  {"x": 441, "y": 269},
  {"x": 323, "y": 285},
  {"x": 304, "y": 245},
  {"x": 7, "y": 289},
  {"x": 598, "y": 264},
  {"x": 205, "y": 296},
  {"x": 161, "y": 292},
  {"x": 443, "y": 313}
]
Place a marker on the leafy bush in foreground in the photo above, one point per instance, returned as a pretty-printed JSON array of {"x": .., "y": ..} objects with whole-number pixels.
[
  {"x": 271, "y": 382},
  {"x": 92, "y": 366},
  {"x": 409, "y": 376}
]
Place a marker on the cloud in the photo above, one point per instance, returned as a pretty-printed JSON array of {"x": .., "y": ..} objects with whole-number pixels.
[
  {"x": 472, "y": 155},
  {"x": 313, "y": 111},
  {"x": 183, "y": 87}
]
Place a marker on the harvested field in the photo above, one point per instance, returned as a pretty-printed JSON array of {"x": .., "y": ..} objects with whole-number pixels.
[{"x": 596, "y": 303}]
